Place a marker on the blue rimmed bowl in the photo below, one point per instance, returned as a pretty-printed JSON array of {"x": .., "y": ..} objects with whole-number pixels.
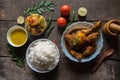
[{"x": 81, "y": 25}]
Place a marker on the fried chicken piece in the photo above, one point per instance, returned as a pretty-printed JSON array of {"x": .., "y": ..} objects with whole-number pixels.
[
  {"x": 69, "y": 38},
  {"x": 77, "y": 55},
  {"x": 91, "y": 38},
  {"x": 75, "y": 39},
  {"x": 94, "y": 28},
  {"x": 79, "y": 37},
  {"x": 89, "y": 50}
]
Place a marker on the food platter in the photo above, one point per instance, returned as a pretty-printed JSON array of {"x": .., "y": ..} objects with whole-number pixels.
[{"x": 98, "y": 46}]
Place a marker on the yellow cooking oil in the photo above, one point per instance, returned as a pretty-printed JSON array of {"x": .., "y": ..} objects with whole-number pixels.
[{"x": 18, "y": 36}]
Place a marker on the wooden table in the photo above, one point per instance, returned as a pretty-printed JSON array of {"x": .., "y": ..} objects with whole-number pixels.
[{"x": 104, "y": 10}]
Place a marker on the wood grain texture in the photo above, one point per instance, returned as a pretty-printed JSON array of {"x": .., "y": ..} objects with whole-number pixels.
[
  {"x": 5, "y": 25},
  {"x": 66, "y": 70},
  {"x": 97, "y": 9}
]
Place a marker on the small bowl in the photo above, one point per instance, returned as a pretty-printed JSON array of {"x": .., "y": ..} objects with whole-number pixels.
[
  {"x": 11, "y": 31},
  {"x": 35, "y": 27},
  {"x": 80, "y": 25},
  {"x": 33, "y": 64}
]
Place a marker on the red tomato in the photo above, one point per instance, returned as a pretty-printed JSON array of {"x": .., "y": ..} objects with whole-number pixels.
[
  {"x": 65, "y": 10},
  {"x": 61, "y": 22}
]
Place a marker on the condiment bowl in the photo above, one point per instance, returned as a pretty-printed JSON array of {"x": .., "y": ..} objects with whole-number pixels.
[{"x": 17, "y": 36}]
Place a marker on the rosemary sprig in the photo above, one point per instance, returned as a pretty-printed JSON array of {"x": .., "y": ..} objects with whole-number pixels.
[
  {"x": 40, "y": 8},
  {"x": 19, "y": 60}
]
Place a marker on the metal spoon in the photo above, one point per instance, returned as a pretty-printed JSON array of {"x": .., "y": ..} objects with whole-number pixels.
[{"x": 106, "y": 54}]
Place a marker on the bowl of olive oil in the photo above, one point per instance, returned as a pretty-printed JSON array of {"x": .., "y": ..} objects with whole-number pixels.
[{"x": 17, "y": 36}]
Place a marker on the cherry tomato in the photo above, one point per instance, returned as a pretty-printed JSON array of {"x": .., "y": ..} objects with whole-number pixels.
[
  {"x": 61, "y": 22},
  {"x": 65, "y": 10}
]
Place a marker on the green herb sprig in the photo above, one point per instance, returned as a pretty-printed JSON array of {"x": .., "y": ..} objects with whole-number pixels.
[
  {"x": 49, "y": 31},
  {"x": 75, "y": 40},
  {"x": 40, "y": 8},
  {"x": 49, "y": 21},
  {"x": 49, "y": 27},
  {"x": 19, "y": 60},
  {"x": 72, "y": 17}
]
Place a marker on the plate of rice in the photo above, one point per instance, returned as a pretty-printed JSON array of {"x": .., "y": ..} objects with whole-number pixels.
[{"x": 42, "y": 55}]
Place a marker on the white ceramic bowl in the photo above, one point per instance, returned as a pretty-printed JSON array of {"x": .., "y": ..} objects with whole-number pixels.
[
  {"x": 78, "y": 25},
  {"x": 37, "y": 68},
  {"x": 11, "y": 30}
]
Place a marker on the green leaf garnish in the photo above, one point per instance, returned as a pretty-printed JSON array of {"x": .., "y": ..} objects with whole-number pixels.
[
  {"x": 49, "y": 27},
  {"x": 40, "y": 8},
  {"x": 19, "y": 60},
  {"x": 72, "y": 17},
  {"x": 75, "y": 40}
]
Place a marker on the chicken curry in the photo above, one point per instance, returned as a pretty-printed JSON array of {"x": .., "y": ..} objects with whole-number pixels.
[{"x": 81, "y": 42}]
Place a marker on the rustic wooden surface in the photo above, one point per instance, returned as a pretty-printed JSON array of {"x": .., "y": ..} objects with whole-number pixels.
[{"x": 66, "y": 70}]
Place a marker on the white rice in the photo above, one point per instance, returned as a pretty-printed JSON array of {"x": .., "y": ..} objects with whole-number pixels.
[{"x": 43, "y": 55}]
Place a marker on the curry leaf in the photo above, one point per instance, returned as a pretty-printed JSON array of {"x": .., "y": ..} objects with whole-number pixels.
[
  {"x": 40, "y": 8},
  {"x": 19, "y": 60}
]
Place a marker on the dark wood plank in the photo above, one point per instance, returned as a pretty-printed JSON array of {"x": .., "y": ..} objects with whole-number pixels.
[
  {"x": 112, "y": 42},
  {"x": 66, "y": 70},
  {"x": 97, "y": 9},
  {"x": 5, "y": 25}
]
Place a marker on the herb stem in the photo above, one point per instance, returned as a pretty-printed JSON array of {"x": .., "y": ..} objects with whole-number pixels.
[
  {"x": 49, "y": 21},
  {"x": 49, "y": 31},
  {"x": 73, "y": 17}
]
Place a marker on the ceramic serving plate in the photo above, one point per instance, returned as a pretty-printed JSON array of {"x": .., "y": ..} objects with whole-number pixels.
[{"x": 89, "y": 58}]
